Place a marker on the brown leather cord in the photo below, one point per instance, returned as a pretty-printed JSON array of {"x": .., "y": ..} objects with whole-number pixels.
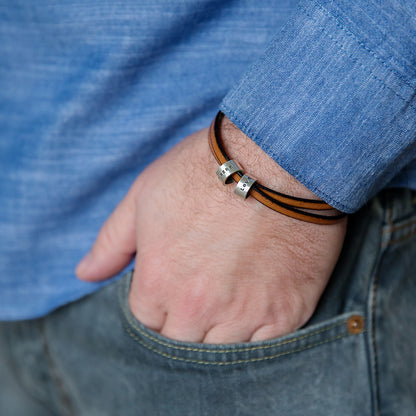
[{"x": 277, "y": 201}]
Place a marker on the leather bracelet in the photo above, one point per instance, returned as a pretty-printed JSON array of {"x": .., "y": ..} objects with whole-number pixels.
[{"x": 285, "y": 204}]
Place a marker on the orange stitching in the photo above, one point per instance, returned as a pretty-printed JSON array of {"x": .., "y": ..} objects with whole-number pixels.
[
  {"x": 399, "y": 227},
  {"x": 401, "y": 239}
]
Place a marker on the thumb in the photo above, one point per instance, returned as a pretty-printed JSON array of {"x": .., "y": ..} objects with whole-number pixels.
[{"x": 115, "y": 245}]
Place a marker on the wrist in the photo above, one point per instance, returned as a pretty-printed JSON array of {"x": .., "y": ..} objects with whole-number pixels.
[{"x": 259, "y": 164}]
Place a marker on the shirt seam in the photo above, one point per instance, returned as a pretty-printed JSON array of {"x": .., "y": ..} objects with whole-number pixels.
[
  {"x": 368, "y": 50},
  {"x": 329, "y": 199},
  {"x": 350, "y": 34}
]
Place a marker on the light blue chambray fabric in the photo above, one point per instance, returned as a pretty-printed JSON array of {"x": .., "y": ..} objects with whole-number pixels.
[
  {"x": 93, "y": 91},
  {"x": 333, "y": 99},
  {"x": 90, "y": 93}
]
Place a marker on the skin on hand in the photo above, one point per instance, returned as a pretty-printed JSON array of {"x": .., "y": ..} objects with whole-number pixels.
[{"x": 211, "y": 267}]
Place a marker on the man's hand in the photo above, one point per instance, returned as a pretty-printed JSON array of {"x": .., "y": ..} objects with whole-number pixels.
[{"x": 211, "y": 267}]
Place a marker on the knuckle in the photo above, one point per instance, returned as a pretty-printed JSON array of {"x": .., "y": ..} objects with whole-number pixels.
[
  {"x": 286, "y": 316},
  {"x": 194, "y": 306}
]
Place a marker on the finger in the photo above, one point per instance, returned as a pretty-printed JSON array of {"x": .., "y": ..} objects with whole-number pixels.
[
  {"x": 115, "y": 245},
  {"x": 228, "y": 333},
  {"x": 182, "y": 331},
  {"x": 271, "y": 331},
  {"x": 147, "y": 312}
]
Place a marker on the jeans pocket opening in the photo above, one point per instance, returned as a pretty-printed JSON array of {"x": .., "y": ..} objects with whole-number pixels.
[{"x": 303, "y": 339}]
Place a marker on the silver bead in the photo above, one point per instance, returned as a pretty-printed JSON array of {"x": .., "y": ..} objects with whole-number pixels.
[
  {"x": 243, "y": 186},
  {"x": 227, "y": 169}
]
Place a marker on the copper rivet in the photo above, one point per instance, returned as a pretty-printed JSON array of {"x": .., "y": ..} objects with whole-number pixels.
[{"x": 355, "y": 324}]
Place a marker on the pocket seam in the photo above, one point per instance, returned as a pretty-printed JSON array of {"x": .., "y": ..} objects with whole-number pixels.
[
  {"x": 224, "y": 350},
  {"x": 130, "y": 326},
  {"x": 233, "y": 362}
]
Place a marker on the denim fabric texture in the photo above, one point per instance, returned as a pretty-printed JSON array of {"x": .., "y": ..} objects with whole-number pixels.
[{"x": 93, "y": 357}]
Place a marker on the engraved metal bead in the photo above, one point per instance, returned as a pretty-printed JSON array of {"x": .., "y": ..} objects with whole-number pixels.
[
  {"x": 227, "y": 169},
  {"x": 243, "y": 187}
]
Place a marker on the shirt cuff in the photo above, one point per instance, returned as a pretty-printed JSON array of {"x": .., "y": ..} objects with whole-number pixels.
[{"x": 327, "y": 104}]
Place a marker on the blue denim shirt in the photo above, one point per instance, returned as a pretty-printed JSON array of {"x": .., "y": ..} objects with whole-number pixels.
[
  {"x": 92, "y": 92},
  {"x": 333, "y": 98}
]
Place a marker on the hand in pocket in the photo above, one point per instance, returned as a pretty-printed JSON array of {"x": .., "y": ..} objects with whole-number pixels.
[{"x": 211, "y": 267}]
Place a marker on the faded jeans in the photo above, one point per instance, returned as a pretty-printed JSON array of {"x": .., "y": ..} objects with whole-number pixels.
[{"x": 356, "y": 356}]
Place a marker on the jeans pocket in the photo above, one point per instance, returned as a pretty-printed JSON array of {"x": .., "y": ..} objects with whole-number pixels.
[
  {"x": 319, "y": 369},
  {"x": 199, "y": 354}
]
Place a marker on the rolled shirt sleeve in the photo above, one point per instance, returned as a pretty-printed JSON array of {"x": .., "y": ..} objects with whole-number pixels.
[{"x": 333, "y": 98}]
